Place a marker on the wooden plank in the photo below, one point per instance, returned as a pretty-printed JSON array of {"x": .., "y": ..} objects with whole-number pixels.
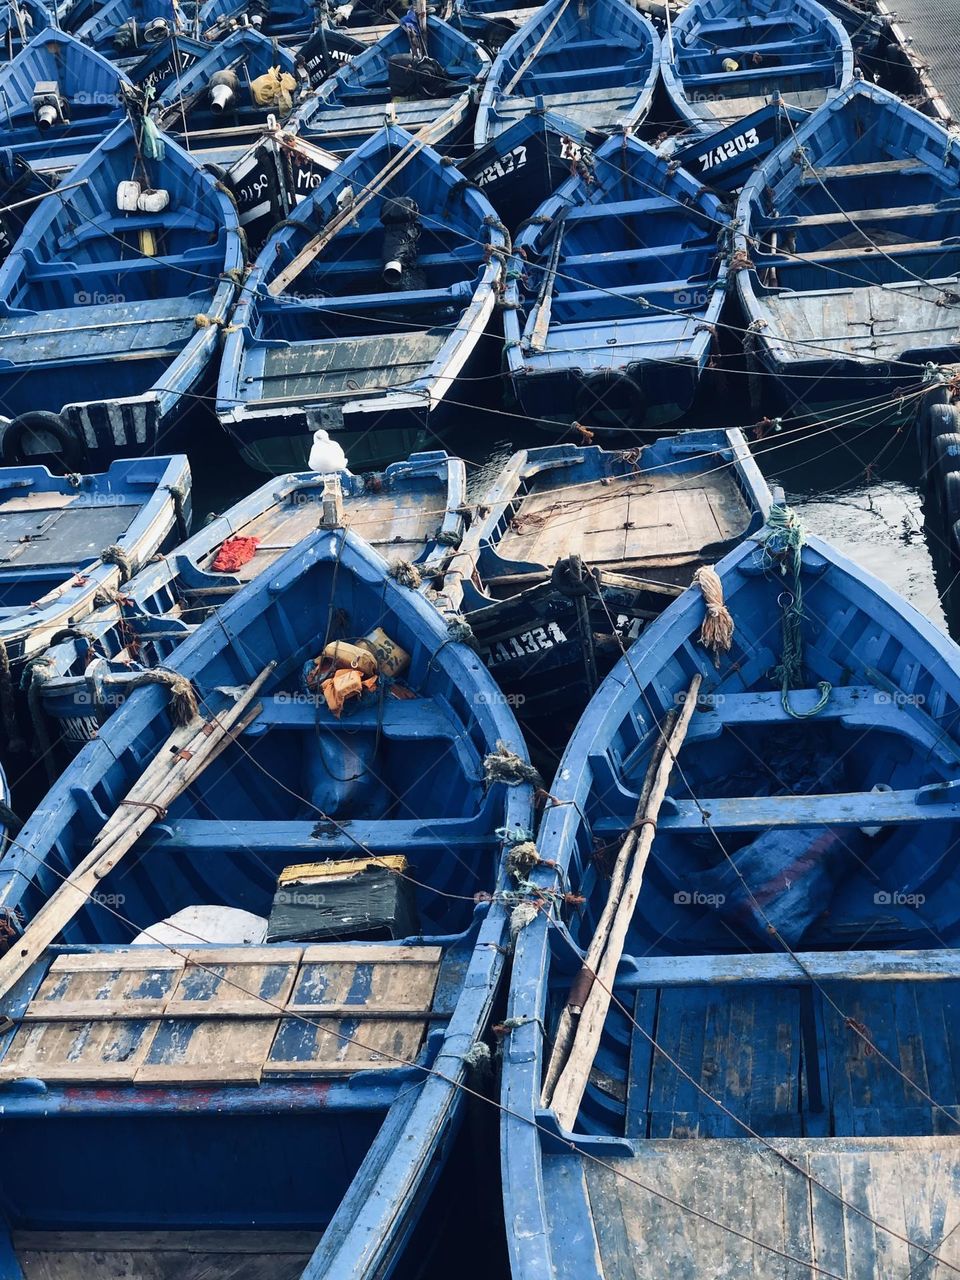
[
  {"x": 108, "y": 961},
  {"x": 339, "y": 1046},
  {"x": 569, "y": 1089},
  {"x": 850, "y": 809},
  {"x": 189, "y": 1242},
  {"x": 370, "y": 952},
  {"x": 77, "y": 1051},
  {"x": 908, "y": 1184},
  {"x": 862, "y": 966},
  {"x": 641, "y": 1063}
]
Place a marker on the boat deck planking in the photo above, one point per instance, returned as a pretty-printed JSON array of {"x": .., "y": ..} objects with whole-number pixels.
[
  {"x": 377, "y": 362},
  {"x": 398, "y": 524},
  {"x": 630, "y": 517},
  {"x": 164, "y": 1255},
  {"x": 906, "y": 1183}
]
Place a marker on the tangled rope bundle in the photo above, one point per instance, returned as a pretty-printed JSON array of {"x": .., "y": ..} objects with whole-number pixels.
[
  {"x": 407, "y": 574},
  {"x": 716, "y": 634},
  {"x": 504, "y": 765},
  {"x": 116, "y": 555}
]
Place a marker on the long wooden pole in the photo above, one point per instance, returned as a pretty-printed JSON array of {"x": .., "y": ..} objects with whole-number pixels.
[
  {"x": 573, "y": 1079},
  {"x": 299, "y": 264},
  {"x": 73, "y": 893},
  {"x": 563, "y": 1038},
  {"x": 515, "y": 79}
]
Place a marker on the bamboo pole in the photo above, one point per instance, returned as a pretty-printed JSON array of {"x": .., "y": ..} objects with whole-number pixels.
[
  {"x": 515, "y": 79},
  {"x": 576, "y": 1072},
  {"x": 563, "y": 1038},
  {"x": 312, "y": 248},
  {"x": 165, "y": 778}
]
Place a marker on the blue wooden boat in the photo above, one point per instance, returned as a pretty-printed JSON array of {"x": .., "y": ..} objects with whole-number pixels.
[
  {"x": 220, "y": 103},
  {"x": 410, "y": 513},
  {"x": 327, "y": 51},
  {"x": 774, "y": 1090},
  {"x": 58, "y": 99},
  {"x": 586, "y": 342},
  {"x": 727, "y": 58},
  {"x": 386, "y": 83},
  {"x": 20, "y": 21},
  {"x": 577, "y": 549},
  {"x": 594, "y": 65},
  {"x": 366, "y": 341},
  {"x": 164, "y": 62},
  {"x": 334, "y": 1049},
  {"x": 129, "y": 273},
  {"x": 67, "y": 539},
  {"x": 126, "y": 29},
  {"x": 724, "y": 160},
  {"x": 288, "y": 20},
  {"x": 521, "y": 167},
  {"x": 841, "y": 227},
  {"x": 270, "y": 178}
]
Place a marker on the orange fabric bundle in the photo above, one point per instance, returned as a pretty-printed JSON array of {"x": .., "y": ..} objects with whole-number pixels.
[
  {"x": 345, "y": 683},
  {"x": 233, "y": 553}
]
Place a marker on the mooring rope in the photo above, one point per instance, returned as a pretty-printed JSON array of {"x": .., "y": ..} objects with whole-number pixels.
[{"x": 782, "y": 548}]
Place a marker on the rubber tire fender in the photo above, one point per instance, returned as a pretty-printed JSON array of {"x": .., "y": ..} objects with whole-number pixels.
[{"x": 73, "y": 450}]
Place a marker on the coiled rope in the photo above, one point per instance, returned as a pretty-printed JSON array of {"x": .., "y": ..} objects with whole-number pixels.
[{"x": 782, "y": 548}]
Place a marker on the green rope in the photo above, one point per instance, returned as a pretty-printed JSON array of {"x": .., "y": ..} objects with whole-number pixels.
[{"x": 783, "y": 548}]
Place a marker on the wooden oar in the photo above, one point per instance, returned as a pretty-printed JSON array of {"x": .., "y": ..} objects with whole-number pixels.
[
  {"x": 581, "y": 985},
  {"x": 162, "y": 781},
  {"x": 576, "y": 1072},
  {"x": 545, "y": 299},
  {"x": 346, "y": 215},
  {"x": 515, "y": 79}
]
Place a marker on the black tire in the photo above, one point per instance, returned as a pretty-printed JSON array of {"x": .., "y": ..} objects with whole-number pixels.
[
  {"x": 945, "y": 455},
  {"x": 951, "y": 498},
  {"x": 941, "y": 417},
  {"x": 70, "y": 452},
  {"x": 610, "y": 398}
]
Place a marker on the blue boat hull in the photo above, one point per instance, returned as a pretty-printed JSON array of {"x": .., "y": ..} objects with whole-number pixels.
[
  {"x": 837, "y": 252},
  {"x": 148, "y": 321},
  {"x": 328, "y": 1165},
  {"x": 585, "y": 343},
  {"x": 336, "y": 348},
  {"x": 727, "y": 58},
  {"x": 795, "y": 925}
]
